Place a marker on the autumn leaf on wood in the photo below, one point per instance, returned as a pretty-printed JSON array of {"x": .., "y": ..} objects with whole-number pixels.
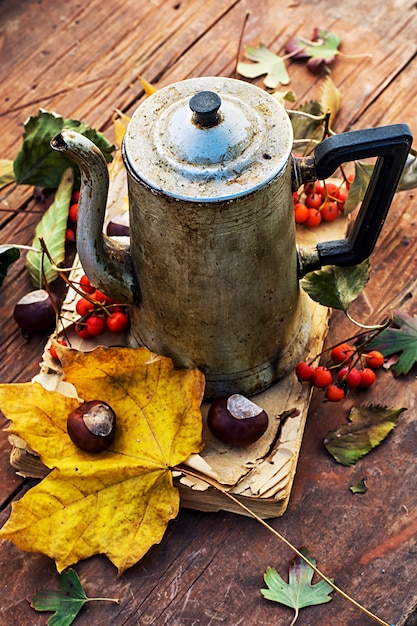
[
  {"x": 6, "y": 173},
  {"x": 366, "y": 428},
  {"x": 265, "y": 62},
  {"x": 117, "y": 502},
  {"x": 401, "y": 340},
  {"x": 336, "y": 287},
  {"x": 330, "y": 99},
  {"x": 298, "y": 592},
  {"x": 65, "y": 602},
  {"x": 320, "y": 51}
]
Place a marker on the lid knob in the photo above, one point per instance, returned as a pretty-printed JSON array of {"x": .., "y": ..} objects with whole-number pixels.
[{"x": 205, "y": 106}]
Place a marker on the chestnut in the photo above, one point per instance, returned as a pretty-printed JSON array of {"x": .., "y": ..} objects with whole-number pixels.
[
  {"x": 118, "y": 226},
  {"x": 236, "y": 420},
  {"x": 92, "y": 425},
  {"x": 35, "y": 312}
]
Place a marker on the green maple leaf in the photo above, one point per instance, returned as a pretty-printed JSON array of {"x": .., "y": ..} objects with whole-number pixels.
[
  {"x": 336, "y": 287},
  {"x": 401, "y": 341},
  {"x": 366, "y": 428},
  {"x": 265, "y": 62},
  {"x": 298, "y": 592},
  {"x": 65, "y": 602}
]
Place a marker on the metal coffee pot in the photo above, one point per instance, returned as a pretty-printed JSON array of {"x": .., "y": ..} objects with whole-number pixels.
[{"x": 212, "y": 271}]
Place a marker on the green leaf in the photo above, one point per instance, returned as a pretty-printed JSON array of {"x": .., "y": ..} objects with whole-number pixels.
[
  {"x": 320, "y": 51},
  {"x": 6, "y": 173},
  {"x": 66, "y": 602},
  {"x": 52, "y": 229},
  {"x": 265, "y": 62},
  {"x": 336, "y": 287},
  {"x": 298, "y": 592},
  {"x": 37, "y": 163},
  {"x": 367, "y": 427},
  {"x": 8, "y": 255},
  {"x": 363, "y": 173},
  {"x": 305, "y": 127},
  {"x": 401, "y": 340},
  {"x": 360, "y": 487}
]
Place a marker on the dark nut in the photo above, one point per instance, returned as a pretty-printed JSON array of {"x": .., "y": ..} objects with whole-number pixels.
[
  {"x": 92, "y": 426},
  {"x": 119, "y": 225},
  {"x": 236, "y": 420},
  {"x": 35, "y": 312}
]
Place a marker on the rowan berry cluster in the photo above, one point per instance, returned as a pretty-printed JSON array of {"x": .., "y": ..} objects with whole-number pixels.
[
  {"x": 71, "y": 230},
  {"x": 320, "y": 201},
  {"x": 350, "y": 368},
  {"x": 98, "y": 314}
]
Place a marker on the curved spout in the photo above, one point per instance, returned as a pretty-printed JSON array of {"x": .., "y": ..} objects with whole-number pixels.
[{"x": 107, "y": 263}]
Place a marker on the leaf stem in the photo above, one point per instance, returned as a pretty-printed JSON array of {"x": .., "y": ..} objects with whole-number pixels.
[
  {"x": 223, "y": 490},
  {"x": 116, "y": 600}
]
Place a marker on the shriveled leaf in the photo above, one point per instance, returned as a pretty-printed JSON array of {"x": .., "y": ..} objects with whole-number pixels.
[
  {"x": 330, "y": 99},
  {"x": 367, "y": 427},
  {"x": 363, "y": 173},
  {"x": 6, "y": 173},
  {"x": 65, "y": 602},
  {"x": 284, "y": 96},
  {"x": 408, "y": 178},
  {"x": 37, "y": 163},
  {"x": 298, "y": 592},
  {"x": 51, "y": 228},
  {"x": 117, "y": 502},
  {"x": 400, "y": 340},
  {"x": 305, "y": 127},
  {"x": 8, "y": 255},
  {"x": 265, "y": 62},
  {"x": 320, "y": 51},
  {"x": 148, "y": 88},
  {"x": 337, "y": 287},
  {"x": 360, "y": 487}
]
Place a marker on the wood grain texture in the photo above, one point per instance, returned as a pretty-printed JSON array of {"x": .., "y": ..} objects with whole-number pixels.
[{"x": 83, "y": 59}]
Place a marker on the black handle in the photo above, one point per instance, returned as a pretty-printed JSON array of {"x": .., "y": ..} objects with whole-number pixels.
[{"x": 391, "y": 144}]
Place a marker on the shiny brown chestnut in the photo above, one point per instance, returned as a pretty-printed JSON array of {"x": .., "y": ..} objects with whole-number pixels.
[
  {"x": 35, "y": 312},
  {"x": 236, "y": 420},
  {"x": 92, "y": 426}
]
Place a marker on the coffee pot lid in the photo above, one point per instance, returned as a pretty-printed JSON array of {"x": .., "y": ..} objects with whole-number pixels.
[{"x": 208, "y": 139}]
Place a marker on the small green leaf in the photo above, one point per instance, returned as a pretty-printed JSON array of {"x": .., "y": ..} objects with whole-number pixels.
[
  {"x": 6, "y": 173},
  {"x": 265, "y": 62},
  {"x": 367, "y": 427},
  {"x": 363, "y": 173},
  {"x": 360, "y": 487},
  {"x": 52, "y": 229},
  {"x": 8, "y": 255},
  {"x": 37, "y": 163},
  {"x": 337, "y": 287},
  {"x": 65, "y": 602},
  {"x": 401, "y": 340},
  {"x": 298, "y": 592},
  {"x": 320, "y": 51}
]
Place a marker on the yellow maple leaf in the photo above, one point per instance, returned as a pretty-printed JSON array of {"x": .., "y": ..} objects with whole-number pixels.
[{"x": 117, "y": 502}]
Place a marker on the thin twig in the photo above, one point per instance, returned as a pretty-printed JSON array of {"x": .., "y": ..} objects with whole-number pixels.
[
  {"x": 239, "y": 45},
  {"x": 223, "y": 490}
]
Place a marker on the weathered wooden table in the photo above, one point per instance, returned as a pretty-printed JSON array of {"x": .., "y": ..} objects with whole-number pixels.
[{"x": 82, "y": 60}]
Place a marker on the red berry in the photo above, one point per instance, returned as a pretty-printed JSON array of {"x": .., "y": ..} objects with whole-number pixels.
[
  {"x": 85, "y": 285},
  {"x": 117, "y": 322},
  {"x": 329, "y": 211},
  {"x": 352, "y": 377},
  {"x": 322, "y": 376},
  {"x": 300, "y": 213},
  {"x": 314, "y": 200},
  {"x": 304, "y": 372},
  {"x": 341, "y": 353},
  {"x": 374, "y": 359},
  {"x": 334, "y": 393},
  {"x": 81, "y": 330},
  {"x": 314, "y": 218},
  {"x": 52, "y": 350},
  {"x": 83, "y": 307},
  {"x": 99, "y": 296},
  {"x": 367, "y": 378},
  {"x": 341, "y": 199},
  {"x": 96, "y": 325},
  {"x": 69, "y": 235},
  {"x": 73, "y": 213},
  {"x": 75, "y": 196},
  {"x": 319, "y": 187},
  {"x": 331, "y": 190}
]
